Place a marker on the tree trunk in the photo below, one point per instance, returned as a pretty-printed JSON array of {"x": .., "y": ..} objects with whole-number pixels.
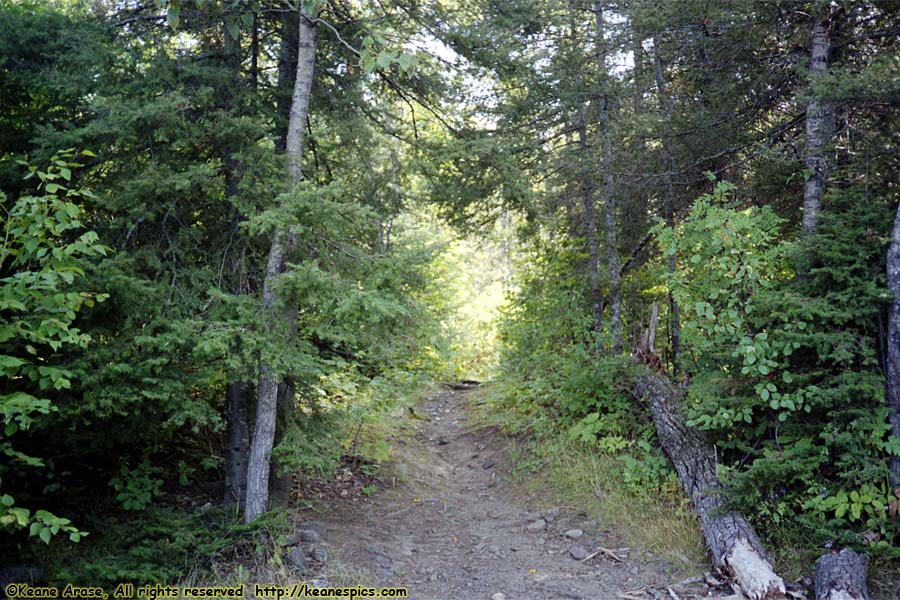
[
  {"x": 281, "y": 484},
  {"x": 590, "y": 225},
  {"x": 665, "y": 111},
  {"x": 893, "y": 345},
  {"x": 238, "y": 444},
  {"x": 842, "y": 576},
  {"x": 818, "y": 130},
  {"x": 735, "y": 548},
  {"x": 287, "y": 73},
  {"x": 609, "y": 199},
  {"x": 283, "y": 244}
]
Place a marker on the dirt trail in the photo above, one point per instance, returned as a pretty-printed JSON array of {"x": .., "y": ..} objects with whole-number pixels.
[{"x": 455, "y": 528}]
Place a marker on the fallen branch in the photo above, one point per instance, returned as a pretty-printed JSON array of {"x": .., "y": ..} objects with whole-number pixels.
[{"x": 605, "y": 552}]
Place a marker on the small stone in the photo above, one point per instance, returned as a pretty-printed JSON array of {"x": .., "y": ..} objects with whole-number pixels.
[
  {"x": 296, "y": 560},
  {"x": 574, "y": 534},
  {"x": 310, "y": 536},
  {"x": 498, "y": 596},
  {"x": 205, "y": 507},
  {"x": 488, "y": 464},
  {"x": 318, "y": 554},
  {"x": 536, "y": 526},
  {"x": 551, "y": 513},
  {"x": 494, "y": 548},
  {"x": 316, "y": 526},
  {"x": 578, "y": 553}
]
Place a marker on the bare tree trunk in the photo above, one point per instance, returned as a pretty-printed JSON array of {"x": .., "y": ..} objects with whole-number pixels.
[
  {"x": 283, "y": 244},
  {"x": 665, "y": 110},
  {"x": 238, "y": 443},
  {"x": 281, "y": 484},
  {"x": 590, "y": 225},
  {"x": 609, "y": 198},
  {"x": 735, "y": 548},
  {"x": 893, "y": 345},
  {"x": 287, "y": 73},
  {"x": 842, "y": 576},
  {"x": 818, "y": 117},
  {"x": 238, "y": 434}
]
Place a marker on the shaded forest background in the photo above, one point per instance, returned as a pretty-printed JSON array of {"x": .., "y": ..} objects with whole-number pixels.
[{"x": 732, "y": 162}]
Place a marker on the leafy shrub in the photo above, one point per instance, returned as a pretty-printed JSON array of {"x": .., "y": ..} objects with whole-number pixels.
[{"x": 785, "y": 367}]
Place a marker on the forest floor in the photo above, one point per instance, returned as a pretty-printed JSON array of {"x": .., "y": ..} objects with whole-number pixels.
[{"x": 451, "y": 522}]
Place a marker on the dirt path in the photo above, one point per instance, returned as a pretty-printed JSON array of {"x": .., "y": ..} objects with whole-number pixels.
[{"x": 454, "y": 528}]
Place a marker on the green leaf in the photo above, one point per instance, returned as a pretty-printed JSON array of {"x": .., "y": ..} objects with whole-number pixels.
[
  {"x": 172, "y": 15},
  {"x": 45, "y": 535}
]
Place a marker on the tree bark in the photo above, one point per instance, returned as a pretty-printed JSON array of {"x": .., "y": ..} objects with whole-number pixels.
[
  {"x": 281, "y": 484},
  {"x": 283, "y": 244},
  {"x": 818, "y": 130},
  {"x": 735, "y": 548},
  {"x": 609, "y": 198},
  {"x": 587, "y": 197},
  {"x": 238, "y": 444},
  {"x": 666, "y": 111},
  {"x": 893, "y": 345},
  {"x": 841, "y": 576}
]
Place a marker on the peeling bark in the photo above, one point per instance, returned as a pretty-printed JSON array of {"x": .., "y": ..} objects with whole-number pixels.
[
  {"x": 842, "y": 576},
  {"x": 735, "y": 548}
]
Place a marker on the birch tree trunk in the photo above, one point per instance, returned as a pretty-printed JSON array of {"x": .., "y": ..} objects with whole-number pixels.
[
  {"x": 818, "y": 129},
  {"x": 283, "y": 244},
  {"x": 893, "y": 344},
  {"x": 609, "y": 199},
  {"x": 665, "y": 111}
]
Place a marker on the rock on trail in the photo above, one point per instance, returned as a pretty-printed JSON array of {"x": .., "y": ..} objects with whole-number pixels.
[{"x": 453, "y": 527}]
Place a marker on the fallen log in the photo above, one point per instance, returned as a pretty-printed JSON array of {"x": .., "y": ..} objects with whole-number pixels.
[
  {"x": 842, "y": 576},
  {"x": 735, "y": 547}
]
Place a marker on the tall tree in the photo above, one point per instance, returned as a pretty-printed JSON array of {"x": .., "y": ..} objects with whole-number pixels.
[
  {"x": 609, "y": 192},
  {"x": 284, "y": 243},
  {"x": 664, "y": 102},
  {"x": 892, "y": 361},
  {"x": 818, "y": 119}
]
